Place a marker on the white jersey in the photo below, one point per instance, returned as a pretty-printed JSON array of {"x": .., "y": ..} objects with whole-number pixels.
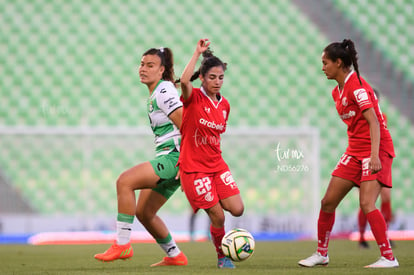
[{"x": 162, "y": 102}]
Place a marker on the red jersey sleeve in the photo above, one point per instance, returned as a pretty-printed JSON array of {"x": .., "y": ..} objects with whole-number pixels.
[{"x": 362, "y": 98}]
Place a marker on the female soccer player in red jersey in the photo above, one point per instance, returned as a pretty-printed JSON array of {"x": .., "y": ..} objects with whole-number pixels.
[
  {"x": 366, "y": 162},
  {"x": 156, "y": 179},
  {"x": 386, "y": 208},
  {"x": 205, "y": 176}
]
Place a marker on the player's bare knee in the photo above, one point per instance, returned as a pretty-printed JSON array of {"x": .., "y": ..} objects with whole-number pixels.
[
  {"x": 366, "y": 206},
  {"x": 122, "y": 184},
  {"x": 237, "y": 211},
  {"x": 120, "y": 189},
  {"x": 327, "y": 205}
]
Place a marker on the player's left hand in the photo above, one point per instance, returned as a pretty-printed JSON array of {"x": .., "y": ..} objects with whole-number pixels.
[
  {"x": 177, "y": 177},
  {"x": 374, "y": 165}
]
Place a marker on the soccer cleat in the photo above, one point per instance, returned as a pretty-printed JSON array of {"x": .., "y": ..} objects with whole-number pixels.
[
  {"x": 116, "y": 252},
  {"x": 363, "y": 244},
  {"x": 384, "y": 263},
  {"x": 315, "y": 259},
  {"x": 180, "y": 259},
  {"x": 225, "y": 263}
]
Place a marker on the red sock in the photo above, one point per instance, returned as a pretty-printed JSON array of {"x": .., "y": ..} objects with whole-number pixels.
[
  {"x": 325, "y": 224},
  {"x": 362, "y": 224},
  {"x": 217, "y": 235},
  {"x": 386, "y": 212},
  {"x": 379, "y": 230}
]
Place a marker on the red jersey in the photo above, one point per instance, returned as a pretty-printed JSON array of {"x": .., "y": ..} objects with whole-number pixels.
[
  {"x": 204, "y": 120},
  {"x": 350, "y": 103}
]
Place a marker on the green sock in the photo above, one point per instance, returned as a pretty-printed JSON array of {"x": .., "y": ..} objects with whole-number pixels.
[{"x": 125, "y": 218}]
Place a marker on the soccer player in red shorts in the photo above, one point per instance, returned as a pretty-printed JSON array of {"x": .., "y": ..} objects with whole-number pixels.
[
  {"x": 205, "y": 176},
  {"x": 366, "y": 162},
  {"x": 386, "y": 208}
]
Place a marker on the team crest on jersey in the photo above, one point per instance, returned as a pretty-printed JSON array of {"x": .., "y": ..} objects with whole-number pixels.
[
  {"x": 345, "y": 101},
  {"x": 150, "y": 107},
  {"x": 224, "y": 114},
  {"x": 207, "y": 110}
]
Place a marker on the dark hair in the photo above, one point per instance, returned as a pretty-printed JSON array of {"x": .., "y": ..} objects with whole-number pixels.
[
  {"x": 345, "y": 51},
  {"x": 167, "y": 60},
  {"x": 209, "y": 61},
  {"x": 377, "y": 93}
]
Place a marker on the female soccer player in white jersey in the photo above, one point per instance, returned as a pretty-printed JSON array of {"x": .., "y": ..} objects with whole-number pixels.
[
  {"x": 205, "y": 176},
  {"x": 366, "y": 162},
  {"x": 156, "y": 179}
]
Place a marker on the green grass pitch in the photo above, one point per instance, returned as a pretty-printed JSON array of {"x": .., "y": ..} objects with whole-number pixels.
[{"x": 269, "y": 258}]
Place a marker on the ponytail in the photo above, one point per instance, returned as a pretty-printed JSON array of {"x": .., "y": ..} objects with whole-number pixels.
[{"x": 349, "y": 46}]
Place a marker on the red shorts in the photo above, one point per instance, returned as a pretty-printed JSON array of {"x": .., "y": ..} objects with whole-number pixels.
[
  {"x": 204, "y": 190},
  {"x": 356, "y": 169}
]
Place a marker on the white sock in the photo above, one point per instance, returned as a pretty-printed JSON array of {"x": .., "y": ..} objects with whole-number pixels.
[
  {"x": 170, "y": 248},
  {"x": 123, "y": 232}
]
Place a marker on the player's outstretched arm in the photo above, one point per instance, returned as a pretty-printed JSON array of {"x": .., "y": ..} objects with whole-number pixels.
[{"x": 186, "y": 85}]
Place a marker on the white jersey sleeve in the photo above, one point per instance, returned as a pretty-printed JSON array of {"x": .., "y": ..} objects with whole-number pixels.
[{"x": 168, "y": 99}]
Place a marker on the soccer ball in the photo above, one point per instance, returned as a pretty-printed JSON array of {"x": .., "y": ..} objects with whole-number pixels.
[{"x": 238, "y": 244}]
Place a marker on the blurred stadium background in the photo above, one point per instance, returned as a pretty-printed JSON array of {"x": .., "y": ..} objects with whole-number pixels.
[{"x": 73, "y": 117}]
